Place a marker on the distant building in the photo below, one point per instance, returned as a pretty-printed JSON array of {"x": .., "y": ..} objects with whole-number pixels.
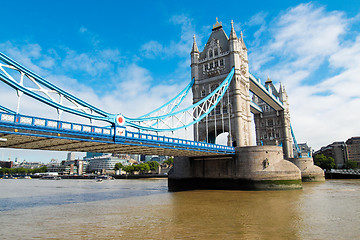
[
  {"x": 53, "y": 165},
  {"x": 157, "y": 158},
  {"x": 70, "y": 156},
  {"x": 30, "y": 165},
  {"x": 353, "y": 147},
  {"x": 93, "y": 154},
  {"x": 68, "y": 166},
  {"x": 305, "y": 150},
  {"x": 107, "y": 162},
  {"x": 336, "y": 150},
  {"x": 6, "y": 164}
]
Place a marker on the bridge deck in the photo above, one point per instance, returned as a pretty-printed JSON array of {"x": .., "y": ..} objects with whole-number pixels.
[{"x": 26, "y": 132}]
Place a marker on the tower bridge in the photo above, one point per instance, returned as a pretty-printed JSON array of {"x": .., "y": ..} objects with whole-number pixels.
[{"x": 221, "y": 88}]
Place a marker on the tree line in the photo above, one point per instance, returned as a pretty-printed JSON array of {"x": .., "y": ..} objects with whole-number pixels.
[
  {"x": 329, "y": 163},
  {"x": 26, "y": 171},
  {"x": 142, "y": 167}
]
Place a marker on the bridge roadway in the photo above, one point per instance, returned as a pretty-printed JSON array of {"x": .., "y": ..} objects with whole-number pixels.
[{"x": 26, "y": 132}]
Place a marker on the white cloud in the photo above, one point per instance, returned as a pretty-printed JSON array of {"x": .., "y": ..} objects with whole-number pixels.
[
  {"x": 152, "y": 49},
  {"x": 179, "y": 48},
  {"x": 311, "y": 52},
  {"x": 93, "y": 63}
]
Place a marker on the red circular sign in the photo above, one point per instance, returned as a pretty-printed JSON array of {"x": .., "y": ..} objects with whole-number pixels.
[{"x": 120, "y": 120}]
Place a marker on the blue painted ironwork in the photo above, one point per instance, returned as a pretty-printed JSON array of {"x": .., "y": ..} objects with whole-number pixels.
[
  {"x": 298, "y": 150},
  {"x": 195, "y": 112},
  {"x": 42, "y": 83},
  {"x": 263, "y": 93},
  {"x": 152, "y": 119},
  {"x": 156, "y": 120},
  {"x": 117, "y": 135},
  {"x": 6, "y": 110},
  {"x": 171, "y": 105}
]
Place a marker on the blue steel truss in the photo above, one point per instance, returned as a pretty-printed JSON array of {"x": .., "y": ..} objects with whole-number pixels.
[
  {"x": 80, "y": 108},
  {"x": 16, "y": 124},
  {"x": 297, "y": 148},
  {"x": 157, "y": 120},
  {"x": 164, "y": 118},
  {"x": 171, "y": 105},
  {"x": 185, "y": 117}
]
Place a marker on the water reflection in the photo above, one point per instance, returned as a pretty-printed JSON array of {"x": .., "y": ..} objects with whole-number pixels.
[
  {"x": 143, "y": 209},
  {"x": 243, "y": 215}
]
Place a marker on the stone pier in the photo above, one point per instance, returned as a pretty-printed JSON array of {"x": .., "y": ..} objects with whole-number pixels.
[
  {"x": 309, "y": 171},
  {"x": 252, "y": 168}
]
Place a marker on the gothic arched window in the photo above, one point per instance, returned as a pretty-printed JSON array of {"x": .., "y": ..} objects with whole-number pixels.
[
  {"x": 203, "y": 93},
  {"x": 215, "y": 52},
  {"x": 225, "y": 109},
  {"x": 213, "y": 87}
]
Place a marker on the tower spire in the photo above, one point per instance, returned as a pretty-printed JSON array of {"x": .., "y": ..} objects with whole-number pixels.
[
  {"x": 242, "y": 40},
  {"x": 232, "y": 33},
  {"x": 217, "y": 24},
  {"x": 195, "y": 47}
]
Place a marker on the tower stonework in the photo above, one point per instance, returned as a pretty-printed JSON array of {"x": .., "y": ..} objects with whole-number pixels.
[
  {"x": 209, "y": 68},
  {"x": 273, "y": 127},
  {"x": 261, "y": 167}
]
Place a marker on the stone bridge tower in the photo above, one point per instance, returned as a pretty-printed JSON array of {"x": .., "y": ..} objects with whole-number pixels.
[
  {"x": 209, "y": 68},
  {"x": 273, "y": 127}
]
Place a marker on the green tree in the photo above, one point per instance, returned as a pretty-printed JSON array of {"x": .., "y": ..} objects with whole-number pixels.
[
  {"x": 129, "y": 169},
  {"x": 350, "y": 164},
  {"x": 142, "y": 167},
  {"x": 118, "y": 166},
  {"x": 324, "y": 162},
  {"x": 153, "y": 165},
  {"x": 170, "y": 161}
]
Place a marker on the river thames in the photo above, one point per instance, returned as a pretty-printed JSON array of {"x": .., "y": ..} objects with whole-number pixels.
[{"x": 144, "y": 209}]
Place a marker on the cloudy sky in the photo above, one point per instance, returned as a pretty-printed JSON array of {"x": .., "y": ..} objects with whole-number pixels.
[{"x": 131, "y": 57}]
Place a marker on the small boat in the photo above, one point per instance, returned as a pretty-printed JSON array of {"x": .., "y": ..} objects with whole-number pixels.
[
  {"x": 49, "y": 177},
  {"x": 99, "y": 180}
]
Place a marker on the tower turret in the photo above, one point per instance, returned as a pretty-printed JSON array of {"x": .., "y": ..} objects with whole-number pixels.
[{"x": 194, "y": 60}]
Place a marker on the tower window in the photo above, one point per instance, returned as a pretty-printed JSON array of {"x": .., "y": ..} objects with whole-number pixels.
[
  {"x": 211, "y": 65},
  {"x": 213, "y": 87},
  {"x": 221, "y": 62},
  {"x": 203, "y": 93},
  {"x": 210, "y": 53},
  {"x": 217, "y": 110},
  {"x": 225, "y": 110},
  {"x": 215, "y": 52},
  {"x": 216, "y": 64}
]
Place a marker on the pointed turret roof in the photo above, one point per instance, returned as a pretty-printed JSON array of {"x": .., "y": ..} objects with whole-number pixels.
[
  {"x": 194, "y": 47},
  {"x": 242, "y": 41},
  {"x": 219, "y": 35},
  {"x": 232, "y": 33},
  {"x": 217, "y": 25}
]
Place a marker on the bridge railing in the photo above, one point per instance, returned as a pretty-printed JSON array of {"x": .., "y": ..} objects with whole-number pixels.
[
  {"x": 117, "y": 134},
  {"x": 37, "y": 122},
  {"x": 176, "y": 141}
]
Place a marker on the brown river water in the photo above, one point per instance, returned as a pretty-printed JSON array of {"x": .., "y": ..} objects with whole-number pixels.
[{"x": 144, "y": 209}]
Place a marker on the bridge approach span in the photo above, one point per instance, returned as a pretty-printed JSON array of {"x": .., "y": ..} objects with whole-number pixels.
[{"x": 25, "y": 132}]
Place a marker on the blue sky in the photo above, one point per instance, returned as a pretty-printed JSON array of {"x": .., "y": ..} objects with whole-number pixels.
[{"x": 129, "y": 57}]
